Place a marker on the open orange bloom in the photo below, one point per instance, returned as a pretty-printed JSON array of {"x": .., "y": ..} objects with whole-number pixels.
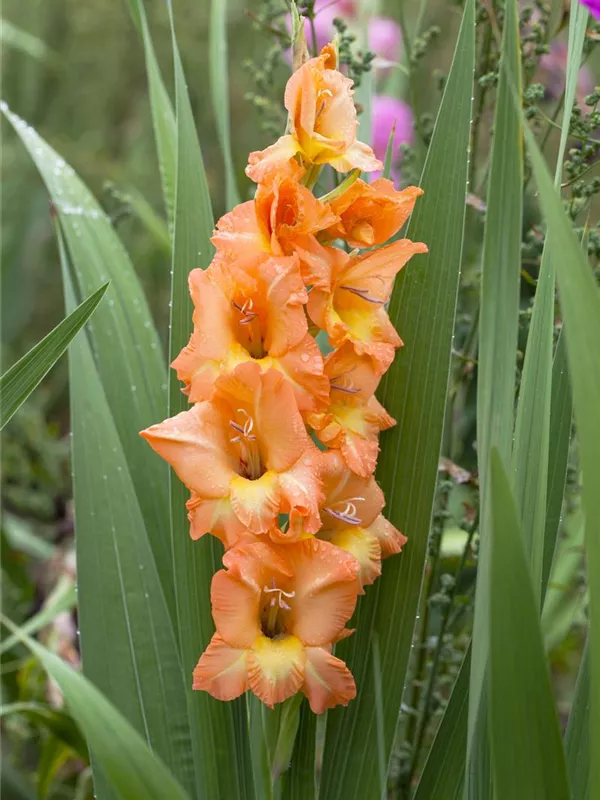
[
  {"x": 251, "y": 313},
  {"x": 322, "y": 123},
  {"x": 352, "y": 520},
  {"x": 371, "y": 214},
  {"x": 349, "y": 293},
  {"x": 354, "y": 417},
  {"x": 246, "y": 457},
  {"x": 277, "y": 611},
  {"x": 282, "y": 215}
]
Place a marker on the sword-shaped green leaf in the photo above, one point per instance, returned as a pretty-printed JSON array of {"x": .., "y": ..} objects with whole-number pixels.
[{"x": 414, "y": 391}]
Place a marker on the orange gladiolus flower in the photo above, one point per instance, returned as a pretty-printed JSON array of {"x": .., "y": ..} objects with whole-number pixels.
[
  {"x": 277, "y": 611},
  {"x": 322, "y": 123},
  {"x": 246, "y": 457},
  {"x": 349, "y": 293},
  {"x": 352, "y": 520},
  {"x": 354, "y": 417},
  {"x": 371, "y": 214},
  {"x": 251, "y": 312},
  {"x": 282, "y": 215},
  {"x": 303, "y": 530}
]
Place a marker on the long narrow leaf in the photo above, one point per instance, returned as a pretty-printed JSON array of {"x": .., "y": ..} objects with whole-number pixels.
[
  {"x": 498, "y": 329},
  {"x": 21, "y": 379},
  {"x": 577, "y": 735},
  {"x": 62, "y": 598},
  {"x": 298, "y": 783},
  {"x": 126, "y": 347},
  {"x": 219, "y": 88},
  {"x": 134, "y": 770},
  {"x": 218, "y": 730},
  {"x": 414, "y": 391},
  {"x": 527, "y": 750},
  {"x": 532, "y": 433},
  {"x": 561, "y": 415},
  {"x": 580, "y": 304},
  {"x": 443, "y": 773},
  {"x": 128, "y": 643},
  {"x": 163, "y": 116}
]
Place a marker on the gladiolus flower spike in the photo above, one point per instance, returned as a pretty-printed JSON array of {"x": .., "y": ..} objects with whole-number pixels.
[{"x": 301, "y": 526}]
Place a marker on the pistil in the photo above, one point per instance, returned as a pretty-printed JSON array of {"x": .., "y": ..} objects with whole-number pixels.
[
  {"x": 250, "y": 460},
  {"x": 250, "y": 319},
  {"x": 364, "y": 294},
  {"x": 273, "y": 624},
  {"x": 349, "y": 515}
]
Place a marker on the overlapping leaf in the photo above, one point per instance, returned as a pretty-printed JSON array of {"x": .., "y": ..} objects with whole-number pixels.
[
  {"x": 128, "y": 643},
  {"x": 133, "y": 769},
  {"x": 414, "y": 391},
  {"x": 219, "y": 730},
  {"x": 528, "y": 758},
  {"x": 126, "y": 347},
  {"x": 219, "y": 88},
  {"x": 21, "y": 379}
]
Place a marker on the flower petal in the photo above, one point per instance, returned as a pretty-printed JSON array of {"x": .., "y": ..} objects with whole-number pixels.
[
  {"x": 343, "y": 487},
  {"x": 302, "y": 492},
  {"x": 195, "y": 444},
  {"x": 276, "y": 668},
  {"x": 285, "y": 298},
  {"x": 364, "y": 546},
  {"x": 217, "y": 518},
  {"x": 222, "y": 670},
  {"x": 327, "y": 680},
  {"x": 198, "y": 363},
  {"x": 358, "y": 156},
  {"x": 351, "y": 373},
  {"x": 235, "y": 608},
  {"x": 279, "y": 425},
  {"x": 264, "y": 165},
  {"x": 256, "y": 503},
  {"x": 238, "y": 233},
  {"x": 326, "y": 589},
  {"x": 370, "y": 214},
  {"x": 302, "y": 367},
  {"x": 291, "y": 213},
  {"x": 374, "y": 272},
  {"x": 320, "y": 265},
  {"x": 390, "y": 539},
  {"x": 360, "y": 454},
  {"x": 257, "y": 564}
]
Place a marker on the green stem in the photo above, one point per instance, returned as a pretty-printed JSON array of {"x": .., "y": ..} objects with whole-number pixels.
[
  {"x": 311, "y": 176},
  {"x": 339, "y": 190}
]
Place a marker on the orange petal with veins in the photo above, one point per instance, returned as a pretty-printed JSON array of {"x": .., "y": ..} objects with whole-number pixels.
[
  {"x": 276, "y": 668},
  {"x": 327, "y": 680},
  {"x": 222, "y": 670}
]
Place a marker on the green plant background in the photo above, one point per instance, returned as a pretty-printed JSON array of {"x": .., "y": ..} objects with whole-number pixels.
[{"x": 474, "y": 688}]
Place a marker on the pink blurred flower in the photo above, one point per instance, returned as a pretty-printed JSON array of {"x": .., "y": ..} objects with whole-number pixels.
[
  {"x": 593, "y": 6},
  {"x": 552, "y": 73},
  {"x": 385, "y": 111},
  {"x": 385, "y": 38}
]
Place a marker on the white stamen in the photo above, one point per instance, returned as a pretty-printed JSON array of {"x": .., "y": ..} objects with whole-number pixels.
[{"x": 279, "y": 596}]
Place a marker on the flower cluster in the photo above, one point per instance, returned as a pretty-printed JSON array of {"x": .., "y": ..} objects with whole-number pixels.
[
  {"x": 384, "y": 36},
  {"x": 300, "y": 522}
]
